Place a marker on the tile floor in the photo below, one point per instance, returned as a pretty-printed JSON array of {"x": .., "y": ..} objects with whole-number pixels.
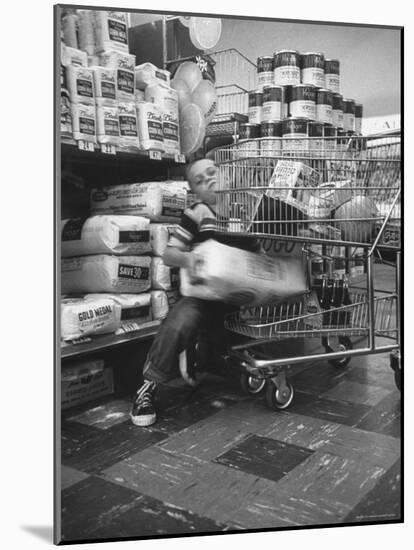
[{"x": 218, "y": 460}]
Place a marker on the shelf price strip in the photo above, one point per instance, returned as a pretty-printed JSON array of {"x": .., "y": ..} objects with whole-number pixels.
[
  {"x": 155, "y": 155},
  {"x": 108, "y": 149},
  {"x": 179, "y": 158},
  {"x": 86, "y": 145}
]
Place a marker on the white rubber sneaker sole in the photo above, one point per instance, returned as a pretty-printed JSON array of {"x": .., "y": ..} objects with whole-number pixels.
[{"x": 144, "y": 420}]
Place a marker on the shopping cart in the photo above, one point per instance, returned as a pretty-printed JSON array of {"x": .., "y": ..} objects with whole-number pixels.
[{"x": 324, "y": 194}]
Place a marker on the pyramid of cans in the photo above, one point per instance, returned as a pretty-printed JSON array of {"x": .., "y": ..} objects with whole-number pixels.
[{"x": 298, "y": 96}]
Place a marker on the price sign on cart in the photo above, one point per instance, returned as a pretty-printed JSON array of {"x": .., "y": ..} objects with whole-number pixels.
[
  {"x": 86, "y": 145},
  {"x": 108, "y": 149}
]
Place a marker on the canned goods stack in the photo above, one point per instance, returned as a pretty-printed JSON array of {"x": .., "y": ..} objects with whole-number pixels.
[{"x": 301, "y": 90}]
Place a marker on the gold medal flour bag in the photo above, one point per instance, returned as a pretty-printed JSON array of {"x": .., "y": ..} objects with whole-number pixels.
[{"x": 85, "y": 316}]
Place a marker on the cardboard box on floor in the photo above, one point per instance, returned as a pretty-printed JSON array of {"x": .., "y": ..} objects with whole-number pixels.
[{"x": 84, "y": 382}]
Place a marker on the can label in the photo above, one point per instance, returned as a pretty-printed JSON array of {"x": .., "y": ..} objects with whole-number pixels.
[
  {"x": 329, "y": 134},
  {"x": 264, "y": 79},
  {"x": 249, "y": 131},
  {"x": 294, "y": 127},
  {"x": 271, "y": 146},
  {"x": 286, "y": 58},
  {"x": 272, "y": 110},
  {"x": 332, "y": 82},
  {"x": 297, "y": 142},
  {"x": 265, "y": 64},
  {"x": 315, "y": 131},
  {"x": 324, "y": 113},
  {"x": 303, "y": 109},
  {"x": 271, "y": 129},
  {"x": 294, "y": 132},
  {"x": 338, "y": 118},
  {"x": 358, "y": 125},
  {"x": 255, "y": 115},
  {"x": 349, "y": 122},
  {"x": 287, "y": 76},
  {"x": 314, "y": 76},
  {"x": 255, "y": 99},
  {"x": 248, "y": 148},
  {"x": 272, "y": 93}
]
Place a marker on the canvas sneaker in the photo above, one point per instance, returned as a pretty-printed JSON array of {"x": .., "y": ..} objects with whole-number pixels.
[{"x": 143, "y": 411}]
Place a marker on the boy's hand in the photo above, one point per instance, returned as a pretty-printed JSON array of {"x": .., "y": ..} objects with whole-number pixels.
[{"x": 193, "y": 267}]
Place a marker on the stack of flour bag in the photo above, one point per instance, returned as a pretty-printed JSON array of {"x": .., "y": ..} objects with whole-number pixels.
[
  {"x": 113, "y": 276},
  {"x": 106, "y": 98}
]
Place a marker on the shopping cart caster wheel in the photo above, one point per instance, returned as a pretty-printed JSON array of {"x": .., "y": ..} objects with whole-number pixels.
[
  {"x": 277, "y": 398},
  {"x": 344, "y": 345},
  {"x": 251, "y": 385}
]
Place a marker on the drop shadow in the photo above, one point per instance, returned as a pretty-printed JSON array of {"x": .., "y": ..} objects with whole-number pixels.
[{"x": 44, "y": 532}]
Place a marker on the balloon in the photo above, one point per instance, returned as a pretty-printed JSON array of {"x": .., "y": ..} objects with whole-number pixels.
[
  {"x": 184, "y": 95},
  {"x": 190, "y": 73},
  {"x": 192, "y": 128},
  {"x": 205, "y": 97},
  {"x": 205, "y": 32},
  {"x": 356, "y": 230}
]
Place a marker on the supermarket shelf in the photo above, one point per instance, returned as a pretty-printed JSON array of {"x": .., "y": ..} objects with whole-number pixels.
[
  {"x": 69, "y": 148},
  {"x": 109, "y": 341}
]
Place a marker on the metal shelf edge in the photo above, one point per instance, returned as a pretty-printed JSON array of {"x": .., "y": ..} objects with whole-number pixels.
[{"x": 108, "y": 341}]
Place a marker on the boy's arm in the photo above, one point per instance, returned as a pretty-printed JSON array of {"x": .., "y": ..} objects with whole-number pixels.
[
  {"x": 177, "y": 253},
  {"x": 175, "y": 257}
]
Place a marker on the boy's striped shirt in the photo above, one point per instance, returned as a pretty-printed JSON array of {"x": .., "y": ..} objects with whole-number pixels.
[{"x": 198, "y": 224}]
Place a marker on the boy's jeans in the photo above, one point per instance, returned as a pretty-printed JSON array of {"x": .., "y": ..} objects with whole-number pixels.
[{"x": 180, "y": 330}]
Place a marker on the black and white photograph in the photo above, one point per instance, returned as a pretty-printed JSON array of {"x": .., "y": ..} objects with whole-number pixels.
[{"x": 228, "y": 274}]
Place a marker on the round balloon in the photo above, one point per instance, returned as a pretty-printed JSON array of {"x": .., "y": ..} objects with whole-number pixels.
[
  {"x": 190, "y": 73},
  {"x": 358, "y": 211},
  {"x": 183, "y": 91},
  {"x": 205, "y": 32},
  {"x": 192, "y": 128},
  {"x": 205, "y": 97}
]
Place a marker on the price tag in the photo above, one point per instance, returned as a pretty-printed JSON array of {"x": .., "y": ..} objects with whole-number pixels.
[
  {"x": 82, "y": 340},
  {"x": 86, "y": 145},
  {"x": 179, "y": 158},
  {"x": 108, "y": 149},
  {"x": 128, "y": 327},
  {"x": 155, "y": 155}
]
